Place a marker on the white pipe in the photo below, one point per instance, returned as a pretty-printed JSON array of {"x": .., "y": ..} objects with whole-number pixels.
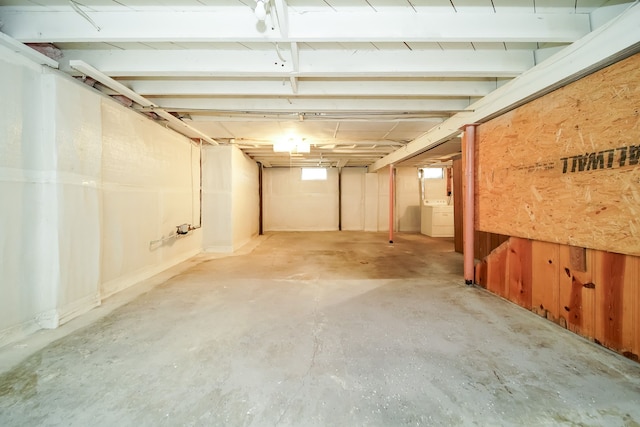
[{"x": 116, "y": 86}]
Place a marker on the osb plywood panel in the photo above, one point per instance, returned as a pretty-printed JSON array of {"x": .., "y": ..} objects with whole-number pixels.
[
  {"x": 565, "y": 168},
  {"x": 545, "y": 259}
]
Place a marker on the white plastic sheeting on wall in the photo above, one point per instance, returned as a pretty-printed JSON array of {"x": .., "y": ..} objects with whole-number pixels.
[
  {"x": 230, "y": 198},
  {"x": 291, "y": 204},
  {"x": 78, "y": 145},
  {"x": 85, "y": 185},
  {"x": 149, "y": 187},
  {"x": 28, "y": 252}
]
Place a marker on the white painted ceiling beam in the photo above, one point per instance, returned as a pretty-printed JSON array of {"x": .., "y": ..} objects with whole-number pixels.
[
  {"x": 276, "y": 87},
  {"x": 333, "y": 105},
  {"x": 339, "y": 144},
  {"x": 265, "y": 64},
  {"x": 322, "y": 26},
  {"x": 288, "y": 117},
  {"x": 607, "y": 44},
  {"x": 26, "y": 51}
]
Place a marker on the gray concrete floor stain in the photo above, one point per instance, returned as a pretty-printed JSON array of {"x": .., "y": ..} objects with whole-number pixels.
[{"x": 322, "y": 329}]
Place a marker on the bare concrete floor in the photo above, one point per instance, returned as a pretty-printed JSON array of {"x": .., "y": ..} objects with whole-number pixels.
[{"x": 321, "y": 329}]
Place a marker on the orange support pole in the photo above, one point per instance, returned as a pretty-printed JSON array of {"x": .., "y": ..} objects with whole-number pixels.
[
  {"x": 469, "y": 211},
  {"x": 391, "y": 182}
]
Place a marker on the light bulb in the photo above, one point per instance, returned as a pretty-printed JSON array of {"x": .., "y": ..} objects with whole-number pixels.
[{"x": 260, "y": 11}]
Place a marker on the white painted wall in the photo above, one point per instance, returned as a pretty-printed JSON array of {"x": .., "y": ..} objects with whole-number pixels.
[
  {"x": 291, "y": 204},
  {"x": 230, "y": 198},
  {"x": 371, "y": 202},
  {"x": 383, "y": 200},
  {"x": 406, "y": 200},
  {"x": 246, "y": 198},
  {"x": 353, "y": 198},
  {"x": 216, "y": 199},
  {"x": 85, "y": 185}
]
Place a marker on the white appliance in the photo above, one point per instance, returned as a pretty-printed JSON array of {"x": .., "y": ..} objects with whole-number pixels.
[{"x": 437, "y": 219}]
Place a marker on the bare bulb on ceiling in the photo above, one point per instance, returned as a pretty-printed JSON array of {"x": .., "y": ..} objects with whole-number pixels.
[{"x": 261, "y": 10}]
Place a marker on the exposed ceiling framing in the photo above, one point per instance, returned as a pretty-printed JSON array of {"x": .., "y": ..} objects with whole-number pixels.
[{"x": 364, "y": 82}]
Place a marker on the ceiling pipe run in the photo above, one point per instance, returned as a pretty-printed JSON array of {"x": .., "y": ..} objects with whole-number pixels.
[
  {"x": 469, "y": 208},
  {"x": 175, "y": 123}
]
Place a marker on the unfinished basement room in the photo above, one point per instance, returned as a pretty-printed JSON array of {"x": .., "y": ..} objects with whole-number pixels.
[{"x": 319, "y": 213}]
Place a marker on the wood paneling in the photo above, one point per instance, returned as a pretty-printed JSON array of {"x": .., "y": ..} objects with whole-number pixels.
[
  {"x": 565, "y": 168},
  {"x": 601, "y": 303},
  {"x": 577, "y": 295},
  {"x": 497, "y": 271},
  {"x": 616, "y": 280},
  {"x": 520, "y": 264},
  {"x": 635, "y": 317},
  {"x": 545, "y": 259},
  {"x": 481, "y": 274},
  {"x": 485, "y": 242}
]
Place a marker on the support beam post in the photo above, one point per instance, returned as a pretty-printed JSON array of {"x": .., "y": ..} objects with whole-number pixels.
[
  {"x": 391, "y": 198},
  {"x": 469, "y": 207}
]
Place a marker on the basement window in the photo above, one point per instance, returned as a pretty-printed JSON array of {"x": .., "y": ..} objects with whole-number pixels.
[
  {"x": 431, "y": 173},
  {"x": 314, "y": 174}
]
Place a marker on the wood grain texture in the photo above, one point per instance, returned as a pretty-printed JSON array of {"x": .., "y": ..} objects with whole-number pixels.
[
  {"x": 601, "y": 303},
  {"x": 498, "y": 270},
  {"x": 545, "y": 259},
  {"x": 481, "y": 274},
  {"x": 610, "y": 293},
  {"x": 565, "y": 168},
  {"x": 577, "y": 295},
  {"x": 519, "y": 275}
]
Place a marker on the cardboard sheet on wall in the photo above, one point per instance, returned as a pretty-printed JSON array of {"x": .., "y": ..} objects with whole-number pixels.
[{"x": 565, "y": 167}]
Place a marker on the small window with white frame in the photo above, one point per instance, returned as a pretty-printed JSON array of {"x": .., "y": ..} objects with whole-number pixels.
[
  {"x": 432, "y": 173},
  {"x": 314, "y": 174}
]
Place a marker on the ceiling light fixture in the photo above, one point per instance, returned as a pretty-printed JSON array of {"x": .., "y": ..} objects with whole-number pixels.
[
  {"x": 292, "y": 146},
  {"x": 261, "y": 9}
]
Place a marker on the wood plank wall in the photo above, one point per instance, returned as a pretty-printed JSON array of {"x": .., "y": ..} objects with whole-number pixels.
[
  {"x": 595, "y": 294},
  {"x": 561, "y": 175}
]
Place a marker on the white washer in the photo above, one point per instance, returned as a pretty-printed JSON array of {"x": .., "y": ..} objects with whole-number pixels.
[{"x": 437, "y": 220}]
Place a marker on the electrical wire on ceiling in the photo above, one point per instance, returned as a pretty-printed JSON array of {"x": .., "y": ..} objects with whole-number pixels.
[
  {"x": 76, "y": 7},
  {"x": 279, "y": 53}
]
